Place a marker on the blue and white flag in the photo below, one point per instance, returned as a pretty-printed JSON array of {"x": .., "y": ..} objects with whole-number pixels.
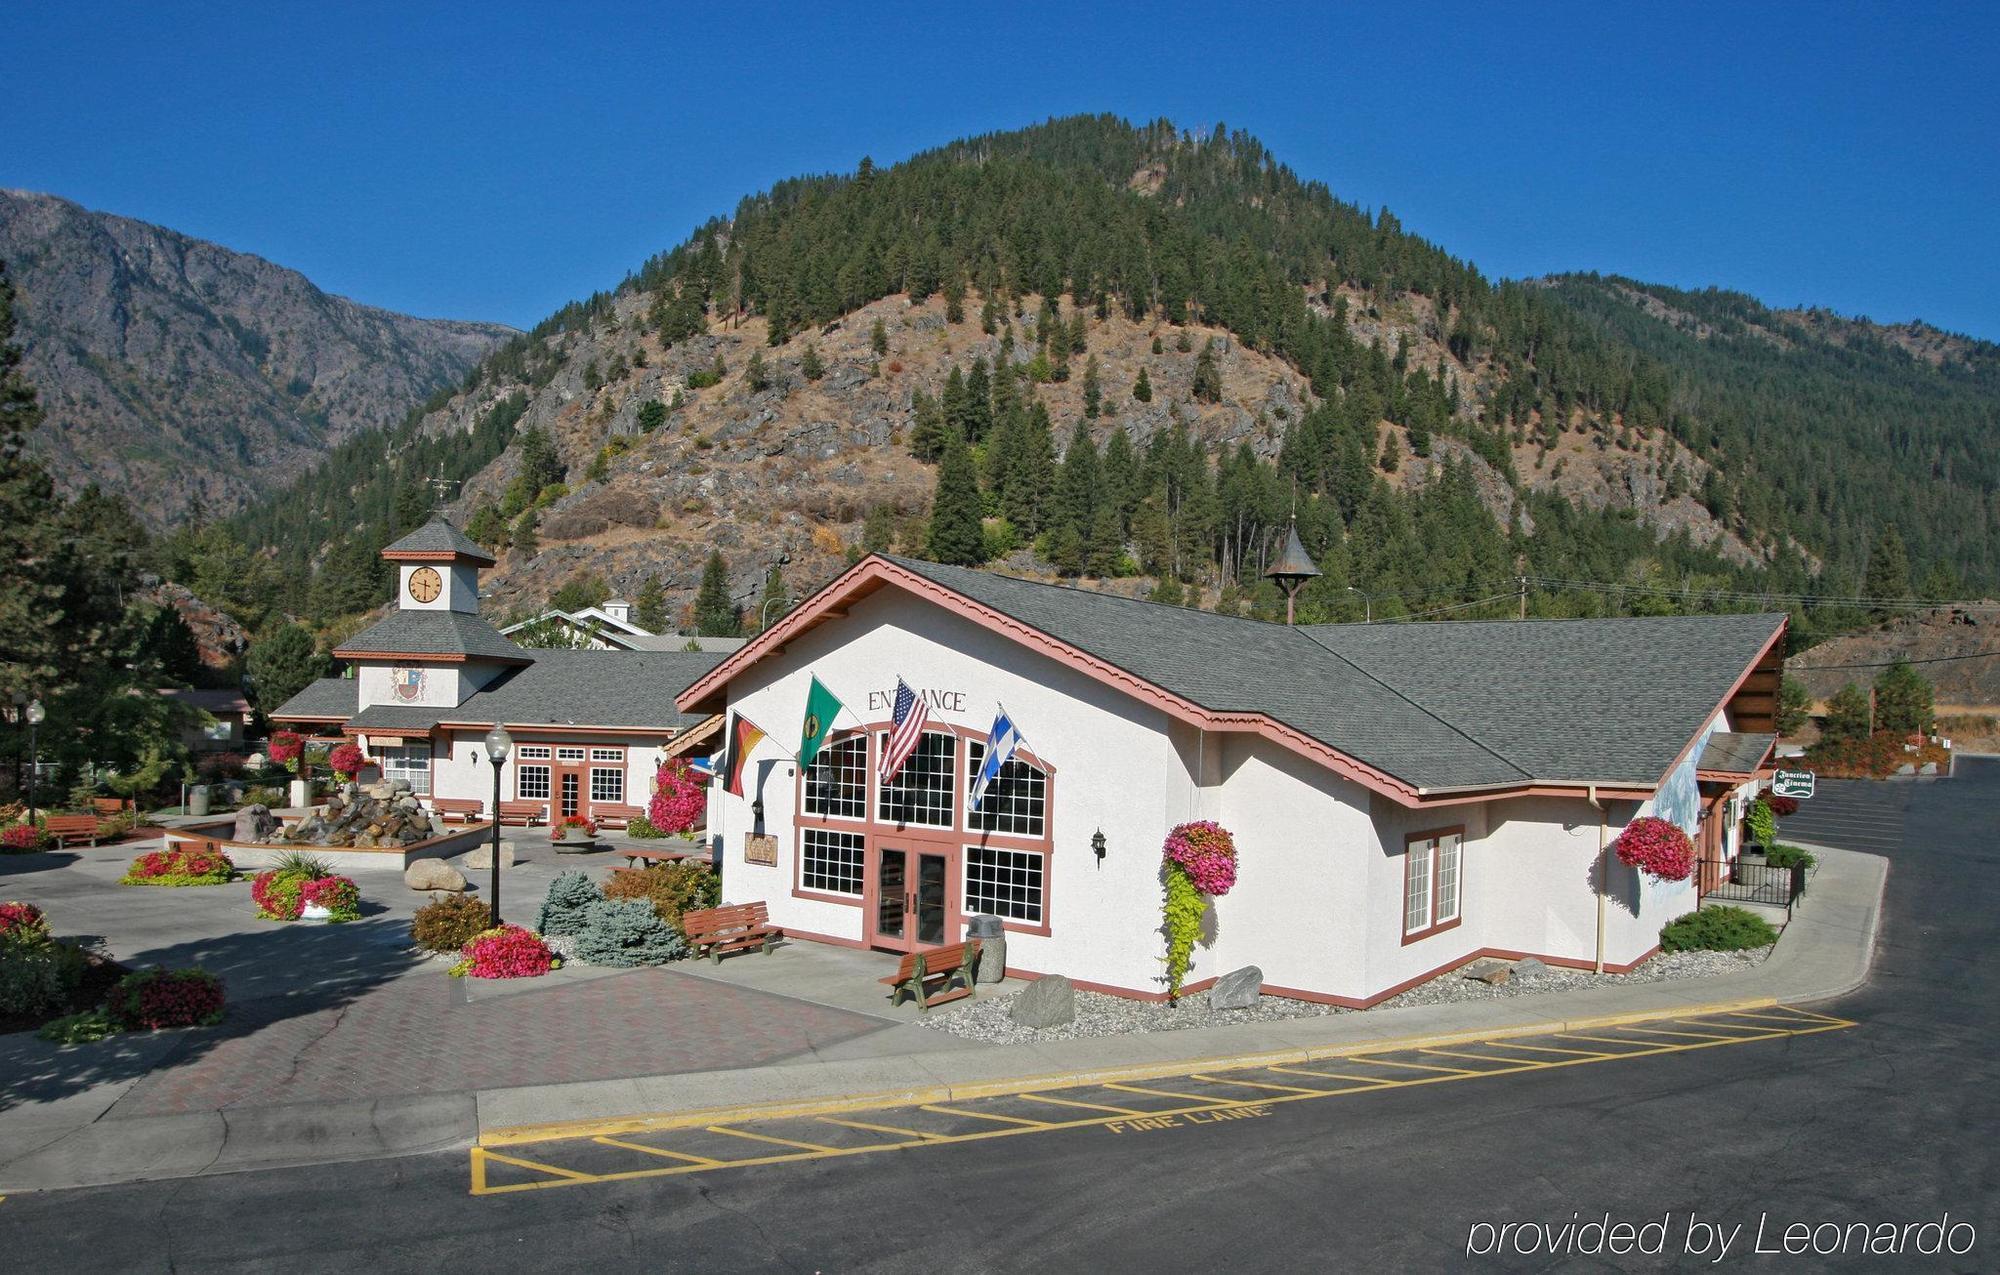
[{"x": 1001, "y": 742}]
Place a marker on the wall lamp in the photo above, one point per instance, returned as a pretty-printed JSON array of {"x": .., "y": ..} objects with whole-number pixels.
[{"x": 1097, "y": 845}]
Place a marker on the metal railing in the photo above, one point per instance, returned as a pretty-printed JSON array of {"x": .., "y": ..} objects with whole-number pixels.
[{"x": 1748, "y": 879}]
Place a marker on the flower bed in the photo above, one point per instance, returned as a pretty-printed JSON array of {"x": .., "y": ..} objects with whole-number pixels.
[
  {"x": 508, "y": 952},
  {"x": 339, "y": 896},
  {"x": 183, "y": 863},
  {"x": 572, "y": 828},
  {"x": 1874, "y": 757},
  {"x": 44, "y": 978},
  {"x": 24, "y": 838},
  {"x": 23, "y": 923},
  {"x": 160, "y": 997},
  {"x": 299, "y": 881}
]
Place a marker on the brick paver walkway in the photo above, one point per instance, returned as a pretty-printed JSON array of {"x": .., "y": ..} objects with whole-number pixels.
[{"x": 419, "y": 1034}]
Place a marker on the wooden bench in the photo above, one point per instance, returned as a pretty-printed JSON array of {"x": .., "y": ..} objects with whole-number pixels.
[
  {"x": 457, "y": 809},
  {"x": 525, "y": 813},
  {"x": 68, "y": 828},
  {"x": 947, "y": 965},
  {"x": 738, "y": 927},
  {"x": 110, "y": 807},
  {"x": 614, "y": 815}
]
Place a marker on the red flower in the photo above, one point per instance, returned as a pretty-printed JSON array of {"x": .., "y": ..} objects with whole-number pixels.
[
  {"x": 23, "y": 922},
  {"x": 346, "y": 759},
  {"x": 1782, "y": 807},
  {"x": 1656, "y": 847},
  {"x": 508, "y": 952},
  {"x": 680, "y": 797}
]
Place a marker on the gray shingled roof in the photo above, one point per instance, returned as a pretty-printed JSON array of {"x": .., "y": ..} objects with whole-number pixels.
[
  {"x": 439, "y": 536},
  {"x": 1442, "y": 705},
  {"x": 327, "y": 697},
  {"x": 678, "y": 642},
  {"x": 560, "y": 688},
  {"x": 412, "y": 632},
  {"x": 1734, "y": 752}
]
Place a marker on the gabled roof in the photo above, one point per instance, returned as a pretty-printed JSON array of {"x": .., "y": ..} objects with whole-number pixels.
[
  {"x": 1734, "y": 753},
  {"x": 445, "y": 635},
  {"x": 438, "y": 539},
  {"x": 680, "y": 642},
  {"x": 1415, "y": 710},
  {"x": 608, "y": 626},
  {"x": 609, "y": 689}
]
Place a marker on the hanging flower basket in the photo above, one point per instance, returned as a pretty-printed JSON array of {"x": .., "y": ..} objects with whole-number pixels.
[
  {"x": 346, "y": 761},
  {"x": 286, "y": 749},
  {"x": 1200, "y": 864},
  {"x": 1657, "y": 848},
  {"x": 680, "y": 798}
]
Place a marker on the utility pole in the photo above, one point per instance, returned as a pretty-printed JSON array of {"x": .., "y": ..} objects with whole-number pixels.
[{"x": 1524, "y": 596}]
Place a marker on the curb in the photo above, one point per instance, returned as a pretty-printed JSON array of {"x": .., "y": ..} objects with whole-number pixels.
[{"x": 947, "y": 1092}]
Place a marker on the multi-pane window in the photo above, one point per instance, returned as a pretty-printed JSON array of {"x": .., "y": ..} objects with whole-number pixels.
[
  {"x": 923, "y": 792},
  {"x": 532, "y": 752},
  {"x": 569, "y": 754},
  {"x": 607, "y": 754},
  {"x": 1006, "y": 883},
  {"x": 837, "y": 782},
  {"x": 531, "y": 783},
  {"x": 1431, "y": 883},
  {"x": 1016, "y": 802},
  {"x": 830, "y": 862},
  {"x": 406, "y": 763},
  {"x": 607, "y": 783}
]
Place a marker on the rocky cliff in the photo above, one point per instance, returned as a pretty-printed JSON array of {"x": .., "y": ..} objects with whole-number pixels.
[{"x": 185, "y": 374}]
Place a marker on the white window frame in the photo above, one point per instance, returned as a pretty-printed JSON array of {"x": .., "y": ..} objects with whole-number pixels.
[
  {"x": 850, "y": 852},
  {"x": 617, "y": 775},
  {"x": 571, "y": 752},
  {"x": 1020, "y": 862},
  {"x": 539, "y": 768},
  {"x": 972, "y": 773},
  {"x": 1433, "y": 872},
  {"x": 532, "y": 752},
  {"x": 408, "y": 763},
  {"x": 807, "y": 792},
  {"x": 884, "y": 792},
  {"x": 608, "y": 754}
]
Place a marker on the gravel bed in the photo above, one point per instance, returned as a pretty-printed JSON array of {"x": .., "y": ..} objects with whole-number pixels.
[{"x": 985, "y": 1019}]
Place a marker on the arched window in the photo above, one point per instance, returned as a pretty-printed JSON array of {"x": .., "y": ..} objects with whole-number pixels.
[
  {"x": 1015, "y": 804},
  {"x": 923, "y": 793},
  {"x": 836, "y": 784}
]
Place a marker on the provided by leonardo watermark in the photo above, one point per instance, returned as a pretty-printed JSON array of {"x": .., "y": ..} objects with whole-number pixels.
[{"x": 1697, "y": 1237}]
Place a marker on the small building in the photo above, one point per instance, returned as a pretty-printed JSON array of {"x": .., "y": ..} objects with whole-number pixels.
[
  {"x": 590, "y": 726},
  {"x": 1403, "y": 797},
  {"x": 224, "y": 722},
  {"x": 606, "y": 628}
]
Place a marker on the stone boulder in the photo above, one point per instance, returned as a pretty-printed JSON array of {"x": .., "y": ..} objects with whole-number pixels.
[
  {"x": 254, "y": 823},
  {"x": 1046, "y": 1002},
  {"x": 1928, "y": 768},
  {"x": 482, "y": 858},
  {"x": 1238, "y": 989},
  {"x": 1529, "y": 967},
  {"x": 1489, "y": 971},
  {"x": 433, "y": 874}
]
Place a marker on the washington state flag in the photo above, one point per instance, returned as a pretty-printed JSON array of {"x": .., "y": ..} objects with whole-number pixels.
[{"x": 821, "y": 708}]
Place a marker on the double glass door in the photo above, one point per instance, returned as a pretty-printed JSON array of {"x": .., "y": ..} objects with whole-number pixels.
[{"x": 912, "y": 893}]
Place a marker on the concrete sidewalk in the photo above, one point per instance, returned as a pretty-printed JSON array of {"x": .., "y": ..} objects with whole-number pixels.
[{"x": 1825, "y": 952}]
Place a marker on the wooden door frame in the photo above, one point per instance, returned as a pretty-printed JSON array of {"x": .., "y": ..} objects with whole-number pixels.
[{"x": 913, "y": 849}]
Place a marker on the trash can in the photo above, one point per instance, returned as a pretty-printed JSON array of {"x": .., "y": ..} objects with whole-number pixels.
[
  {"x": 198, "y": 800},
  {"x": 992, "y": 947}
]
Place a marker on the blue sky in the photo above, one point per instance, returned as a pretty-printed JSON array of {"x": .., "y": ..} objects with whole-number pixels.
[{"x": 497, "y": 160}]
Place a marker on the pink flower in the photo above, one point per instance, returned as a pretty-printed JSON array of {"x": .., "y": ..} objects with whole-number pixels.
[
  {"x": 680, "y": 798},
  {"x": 1207, "y": 853},
  {"x": 1656, "y": 847}
]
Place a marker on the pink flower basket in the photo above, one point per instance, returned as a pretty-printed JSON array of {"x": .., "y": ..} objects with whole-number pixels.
[{"x": 1657, "y": 848}]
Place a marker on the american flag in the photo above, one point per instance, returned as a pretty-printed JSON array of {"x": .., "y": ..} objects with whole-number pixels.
[{"x": 905, "y": 731}]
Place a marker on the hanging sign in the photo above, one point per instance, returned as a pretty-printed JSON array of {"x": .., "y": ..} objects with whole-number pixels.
[
  {"x": 1793, "y": 783},
  {"x": 760, "y": 849}
]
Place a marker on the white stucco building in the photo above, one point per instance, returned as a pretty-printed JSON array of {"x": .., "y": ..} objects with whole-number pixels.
[
  {"x": 1404, "y": 798},
  {"x": 433, "y": 676}
]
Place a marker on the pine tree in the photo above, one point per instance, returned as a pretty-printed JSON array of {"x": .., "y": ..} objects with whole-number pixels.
[
  {"x": 755, "y": 374},
  {"x": 1030, "y": 473},
  {"x": 714, "y": 610},
  {"x": 1078, "y": 490},
  {"x": 1903, "y": 700},
  {"x": 652, "y": 414},
  {"x": 540, "y": 463},
  {"x": 524, "y": 538},
  {"x": 956, "y": 535},
  {"x": 810, "y": 365},
  {"x": 649, "y": 609},
  {"x": 927, "y": 427},
  {"x": 878, "y": 339},
  {"x": 1093, "y": 393},
  {"x": 878, "y": 529},
  {"x": 1104, "y": 552},
  {"x": 1888, "y": 574},
  {"x": 775, "y": 601},
  {"x": 487, "y": 528},
  {"x": 1207, "y": 387},
  {"x": 1847, "y": 714},
  {"x": 1142, "y": 389},
  {"x": 1120, "y": 469},
  {"x": 282, "y": 663},
  {"x": 1392, "y": 455},
  {"x": 978, "y": 402}
]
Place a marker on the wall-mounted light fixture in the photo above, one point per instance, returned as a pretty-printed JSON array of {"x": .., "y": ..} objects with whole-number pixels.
[{"x": 1097, "y": 845}]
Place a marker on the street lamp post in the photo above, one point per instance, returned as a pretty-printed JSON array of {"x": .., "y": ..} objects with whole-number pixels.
[
  {"x": 35, "y": 715},
  {"x": 498, "y": 744},
  {"x": 1367, "y": 605}
]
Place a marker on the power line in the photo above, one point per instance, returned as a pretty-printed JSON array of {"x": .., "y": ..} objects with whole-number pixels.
[{"x": 1934, "y": 659}]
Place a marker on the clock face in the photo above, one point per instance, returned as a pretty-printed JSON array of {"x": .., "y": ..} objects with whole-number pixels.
[{"x": 425, "y": 584}]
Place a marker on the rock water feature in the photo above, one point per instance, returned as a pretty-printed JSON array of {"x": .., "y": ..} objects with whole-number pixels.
[{"x": 386, "y": 814}]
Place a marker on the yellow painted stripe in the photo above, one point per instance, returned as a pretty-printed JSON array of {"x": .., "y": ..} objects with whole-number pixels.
[
  {"x": 985, "y": 1115},
  {"x": 539, "y": 1167},
  {"x": 1506, "y": 1064},
  {"x": 660, "y": 1151},
  {"x": 1547, "y": 1049},
  {"x": 1254, "y": 1084},
  {"x": 879, "y": 1128},
  {"x": 765, "y": 1137},
  {"x": 1334, "y": 1075},
  {"x": 1385, "y": 1062},
  {"x": 1160, "y": 1093},
  {"x": 1087, "y": 1106},
  {"x": 1663, "y": 1031}
]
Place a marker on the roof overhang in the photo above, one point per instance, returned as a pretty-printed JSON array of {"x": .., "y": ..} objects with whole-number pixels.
[
  {"x": 1767, "y": 666},
  {"x": 414, "y": 657},
  {"x": 436, "y": 555}
]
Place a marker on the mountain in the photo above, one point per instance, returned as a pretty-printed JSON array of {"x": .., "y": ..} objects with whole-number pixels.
[
  {"x": 186, "y": 375},
  {"x": 782, "y": 384}
]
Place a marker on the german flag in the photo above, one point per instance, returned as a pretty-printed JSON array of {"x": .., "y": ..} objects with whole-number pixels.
[{"x": 743, "y": 737}]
